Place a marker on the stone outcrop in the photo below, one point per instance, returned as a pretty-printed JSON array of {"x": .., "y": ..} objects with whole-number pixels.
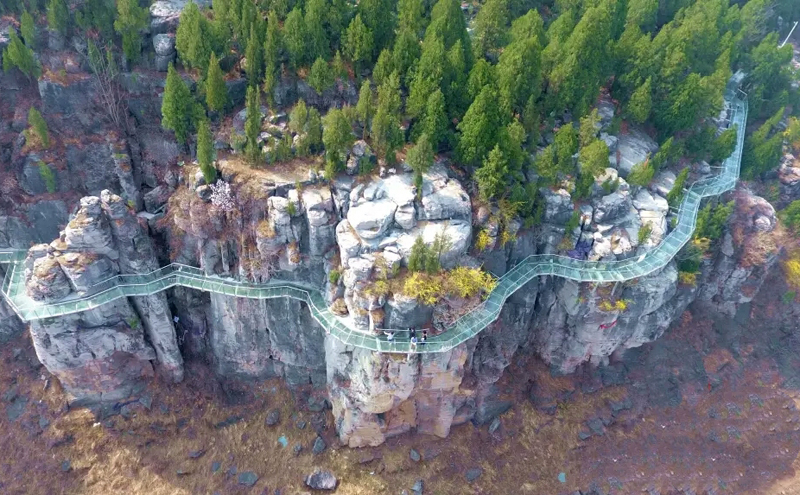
[{"x": 120, "y": 338}]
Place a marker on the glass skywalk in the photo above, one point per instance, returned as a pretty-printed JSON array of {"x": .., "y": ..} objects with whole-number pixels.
[{"x": 466, "y": 327}]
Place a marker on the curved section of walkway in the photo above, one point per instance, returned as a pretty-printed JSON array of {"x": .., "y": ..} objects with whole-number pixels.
[{"x": 466, "y": 327}]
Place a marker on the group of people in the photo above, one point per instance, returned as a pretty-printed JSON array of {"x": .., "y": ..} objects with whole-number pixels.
[{"x": 412, "y": 337}]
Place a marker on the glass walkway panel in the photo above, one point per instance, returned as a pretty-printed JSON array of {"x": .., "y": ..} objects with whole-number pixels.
[{"x": 466, "y": 327}]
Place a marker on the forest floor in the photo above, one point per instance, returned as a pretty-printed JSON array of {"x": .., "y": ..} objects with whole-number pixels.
[{"x": 711, "y": 407}]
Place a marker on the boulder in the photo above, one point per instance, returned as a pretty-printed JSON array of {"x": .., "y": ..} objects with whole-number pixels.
[
  {"x": 359, "y": 270},
  {"x": 611, "y": 141},
  {"x": 558, "y": 206},
  {"x": 361, "y": 156},
  {"x": 85, "y": 269},
  {"x": 634, "y": 148},
  {"x": 605, "y": 109},
  {"x": 164, "y": 14},
  {"x": 47, "y": 281},
  {"x": 371, "y": 219},
  {"x": 33, "y": 179},
  {"x": 447, "y": 202},
  {"x": 156, "y": 198},
  {"x": 663, "y": 182},
  {"x": 405, "y": 312},
  {"x": 164, "y": 44},
  {"x": 162, "y": 62},
  {"x": 646, "y": 201},
  {"x": 321, "y": 479},
  {"x": 612, "y": 206}
]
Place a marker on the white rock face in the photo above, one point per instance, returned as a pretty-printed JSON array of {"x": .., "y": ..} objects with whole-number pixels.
[
  {"x": 371, "y": 219},
  {"x": 558, "y": 206},
  {"x": 458, "y": 233},
  {"x": 612, "y": 206},
  {"x": 663, "y": 182},
  {"x": 349, "y": 243},
  {"x": 448, "y": 202},
  {"x": 633, "y": 149}
]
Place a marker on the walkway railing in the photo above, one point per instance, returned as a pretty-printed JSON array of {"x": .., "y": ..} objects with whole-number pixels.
[{"x": 466, "y": 327}]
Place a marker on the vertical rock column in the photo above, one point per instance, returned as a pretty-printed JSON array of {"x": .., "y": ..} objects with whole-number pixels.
[
  {"x": 136, "y": 255},
  {"x": 376, "y": 396}
]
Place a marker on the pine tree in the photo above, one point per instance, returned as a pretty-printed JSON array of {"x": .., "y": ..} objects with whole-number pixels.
[
  {"x": 20, "y": 56},
  {"x": 252, "y": 125},
  {"x": 386, "y": 133},
  {"x": 294, "y": 38},
  {"x": 314, "y": 130},
  {"x": 58, "y": 16},
  {"x": 546, "y": 164},
  {"x": 221, "y": 23},
  {"x": 205, "y": 152},
  {"x": 640, "y": 102},
  {"x": 490, "y": 175},
  {"x": 420, "y": 159},
  {"x": 411, "y": 17},
  {"x": 435, "y": 124},
  {"x": 479, "y": 127},
  {"x": 337, "y": 136},
  {"x": 593, "y": 160},
  {"x": 379, "y": 17},
  {"x": 28, "y": 29},
  {"x": 320, "y": 77},
  {"x": 317, "y": 43},
  {"x": 358, "y": 43},
  {"x": 511, "y": 139},
  {"x": 578, "y": 73},
  {"x": 566, "y": 143},
  {"x": 216, "y": 90},
  {"x": 131, "y": 20},
  {"x": 519, "y": 75},
  {"x": 298, "y": 117},
  {"x": 417, "y": 260},
  {"x": 454, "y": 81},
  {"x": 588, "y": 129},
  {"x": 428, "y": 76},
  {"x": 490, "y": 26},
  {"x": 482, "y": 74},
  {"x": 675, "y": 194},
  {"x": 405, "y": 53},
  {"x": 177, "y": 106},
  {"x": 384, "y": 67},
  {"x": 365, "y": 109},
  {"x": 338, "y": 66},
  {"x": 529, "y": 26},
  {"x": 448, "y": 24},
  {"x": 272, "y": 54},
  {"x": 724, "y": 145},
  {"x": 193, "y": 39},
  {"x": 254, "y": 56}
]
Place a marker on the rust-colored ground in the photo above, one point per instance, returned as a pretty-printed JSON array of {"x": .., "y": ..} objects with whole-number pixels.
[{"x": 710, "y": 406}]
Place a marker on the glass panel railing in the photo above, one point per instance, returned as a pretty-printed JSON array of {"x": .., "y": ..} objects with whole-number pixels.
[{"x": 466, "y": 327}]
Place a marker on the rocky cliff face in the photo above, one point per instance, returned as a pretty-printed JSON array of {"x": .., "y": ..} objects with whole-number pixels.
[
  {"x": 339, "y": 236},
  {"x": 101, "y": 353}
]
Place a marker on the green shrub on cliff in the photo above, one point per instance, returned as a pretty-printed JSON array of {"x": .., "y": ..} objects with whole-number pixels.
[
  {"x": 205, "y": 152},
  {"x": 20, "y": 56},
  {"x": 131, "y": 20},
  {"x": 38, "y": 129}
]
